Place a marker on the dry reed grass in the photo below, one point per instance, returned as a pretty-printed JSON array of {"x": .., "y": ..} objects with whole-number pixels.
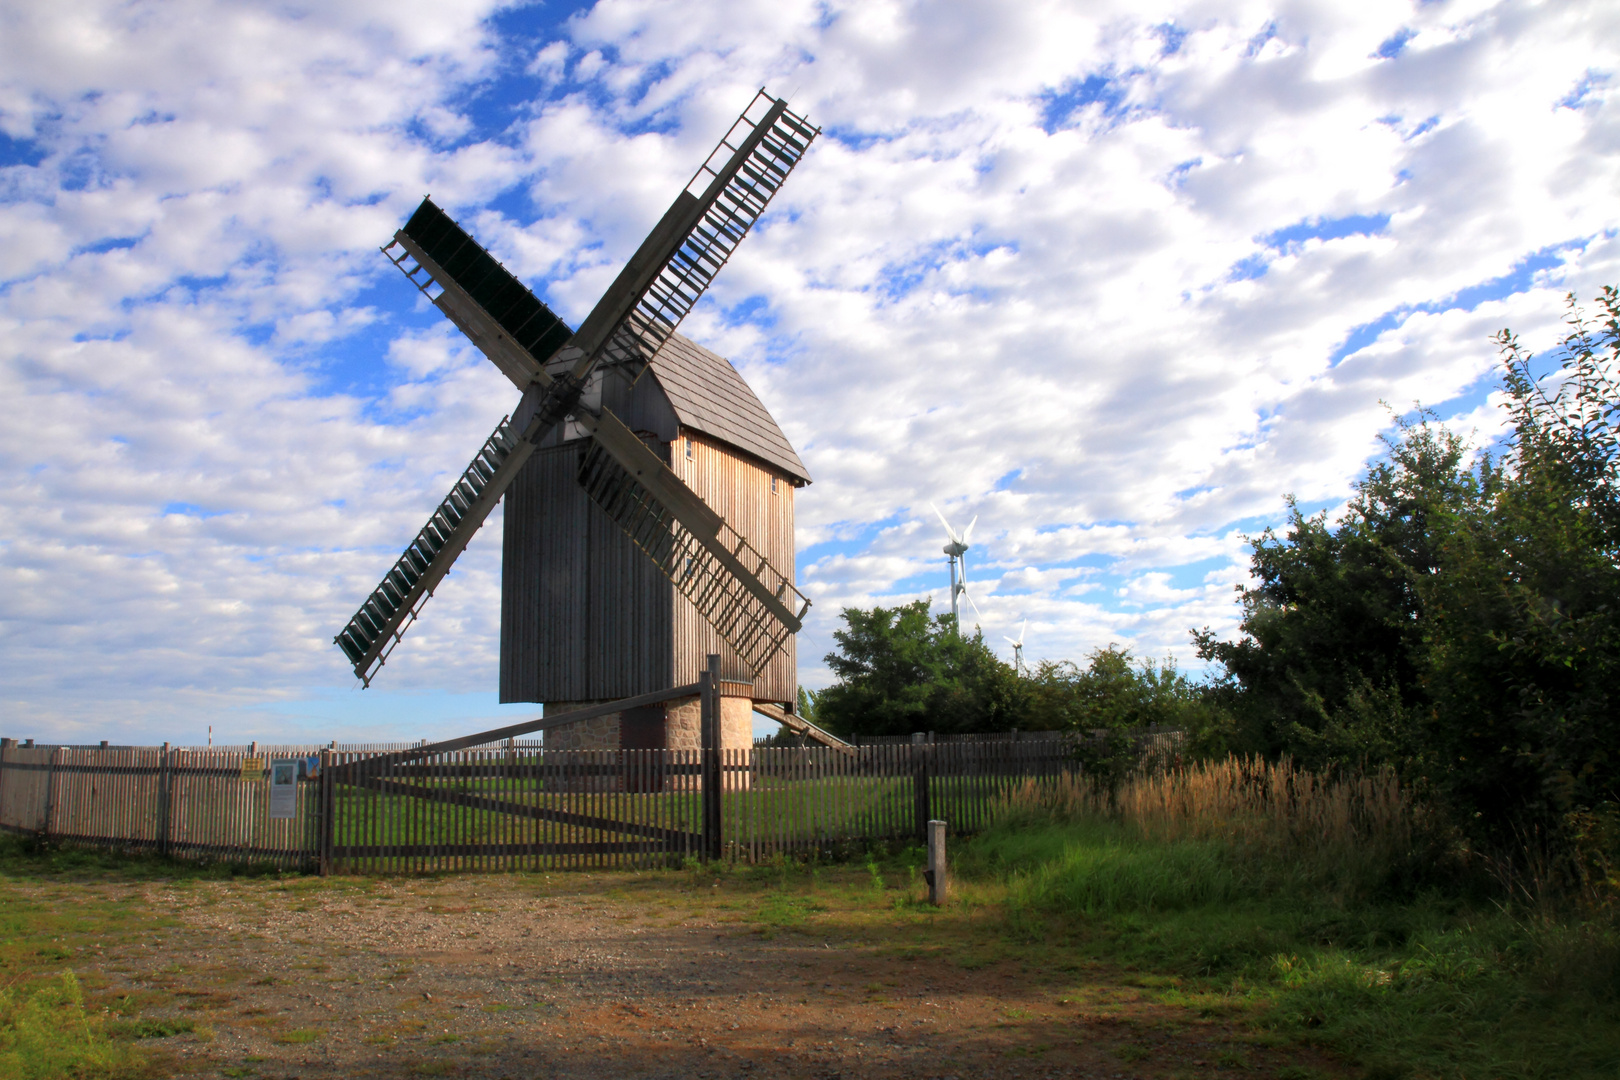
[{"x": 1269, "y": 808}]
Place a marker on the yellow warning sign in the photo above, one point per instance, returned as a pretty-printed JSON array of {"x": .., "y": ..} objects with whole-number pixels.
[{"x": 253, "y": 768}]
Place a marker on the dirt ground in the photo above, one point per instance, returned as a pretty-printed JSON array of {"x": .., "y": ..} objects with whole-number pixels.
[{"x": 622, "y": 975}]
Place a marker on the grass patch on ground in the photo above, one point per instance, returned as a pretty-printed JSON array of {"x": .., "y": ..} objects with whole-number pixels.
[
  {"x": 33, "y": 859},
  {"x": 1303, "y": 933},
  {"x": 56, "y": 1018},
  {"x": 1341, "y": 952},
  {"x": 46, "y": 1033}
]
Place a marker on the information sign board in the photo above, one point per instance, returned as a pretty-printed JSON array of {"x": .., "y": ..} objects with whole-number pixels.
[{"x": 284, "y": 788}]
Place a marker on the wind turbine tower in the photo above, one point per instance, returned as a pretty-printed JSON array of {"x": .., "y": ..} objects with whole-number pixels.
[
  {"x": 1018, "y": 650},
  {"x": 956, "y": 551}
]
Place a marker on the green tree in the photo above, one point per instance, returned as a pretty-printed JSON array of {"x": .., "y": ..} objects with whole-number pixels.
[
  {"x": 1114, "y": 691},
  {"x": 1103, "y": 703},
  {"x": 902, "y": 670},
  {"x": 1523, "y": 615},
  {"x": 1333, "y": 659},
  {"x": 1460, "y": 620},
  {"x": 806, "y": 707}
]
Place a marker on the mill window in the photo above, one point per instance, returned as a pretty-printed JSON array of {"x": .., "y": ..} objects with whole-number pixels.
[
  {"x": 688, "y": 449},
  {"x": 773, "y": 485}
]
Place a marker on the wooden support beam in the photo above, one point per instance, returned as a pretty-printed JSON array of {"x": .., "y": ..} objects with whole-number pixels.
[
  {"x": 382, "y": 763},
  {"x": 709, "y": 737},
  {"x": 800, "y": 726}
]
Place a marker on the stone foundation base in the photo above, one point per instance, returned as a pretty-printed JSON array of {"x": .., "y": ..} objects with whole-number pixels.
[{"x": 639, "y": 729}]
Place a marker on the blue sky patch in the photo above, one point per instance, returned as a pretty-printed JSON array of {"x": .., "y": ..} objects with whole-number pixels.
[
  {"x": 1517, "y": 280},
  {"x": 25, "y": 152},
  {"x": 1059, "y": 106},
  {"x": 190, "y": 510},
  {"x": 1393, "y": 46},
  {"x": 1249, "y": 268},
  {"x": 1326, "y": 229},
  {"x": 1576, "y": 98}
]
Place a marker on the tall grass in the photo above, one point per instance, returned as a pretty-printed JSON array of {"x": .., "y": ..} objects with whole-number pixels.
[
  {"x": 1243, "y": 813},
  {"x": 1304, "y": 894}
]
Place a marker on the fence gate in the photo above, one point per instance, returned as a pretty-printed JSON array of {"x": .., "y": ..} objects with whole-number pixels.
[{"x": 462, "y": 805}]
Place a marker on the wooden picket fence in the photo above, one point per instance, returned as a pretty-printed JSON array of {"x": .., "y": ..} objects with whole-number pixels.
[{"x": 514, "y": 806}]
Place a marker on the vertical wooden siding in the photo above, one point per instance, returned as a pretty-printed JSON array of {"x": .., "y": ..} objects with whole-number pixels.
[
  {"x": 25, "y": 784},
  {"x": 739, "y": 489},
  {"x": 585, "y": 615}
]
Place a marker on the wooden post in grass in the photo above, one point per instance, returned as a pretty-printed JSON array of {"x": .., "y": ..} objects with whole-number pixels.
[{"x": 935, "y": 874}]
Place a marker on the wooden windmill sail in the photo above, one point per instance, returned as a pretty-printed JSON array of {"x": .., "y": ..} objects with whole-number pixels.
[{"x": 751, "y": 602}]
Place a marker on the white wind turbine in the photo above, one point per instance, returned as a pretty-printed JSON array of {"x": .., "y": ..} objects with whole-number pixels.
[
  {"x": 1018, "y": 650},
  {"x": 956, "y": 551}
]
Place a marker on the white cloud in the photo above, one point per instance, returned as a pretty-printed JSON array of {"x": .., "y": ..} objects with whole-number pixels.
[{"x": 1115, "y": 278}]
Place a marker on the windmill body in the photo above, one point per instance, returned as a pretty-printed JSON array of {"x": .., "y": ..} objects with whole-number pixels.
[
  {"x": 586, "y": 617},
  {"x": 589, "y": 449}
]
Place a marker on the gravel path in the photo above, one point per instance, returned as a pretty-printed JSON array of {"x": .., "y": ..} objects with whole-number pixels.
[{"x": 587, "y": 976}]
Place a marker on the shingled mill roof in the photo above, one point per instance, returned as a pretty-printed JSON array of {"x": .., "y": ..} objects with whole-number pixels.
[{"x": 709, "y": 396}]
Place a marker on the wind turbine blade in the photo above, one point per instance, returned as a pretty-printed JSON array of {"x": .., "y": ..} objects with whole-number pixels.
[
  {"x": 1021, "y": 630},
  {"x": 976, "y": 610},
  {"x": 967, "y": 532},
  {"x": 950, "y": 532},
  {"x": 1010, "y": 641}
]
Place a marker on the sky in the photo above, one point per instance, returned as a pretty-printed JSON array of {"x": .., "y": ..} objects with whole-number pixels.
[{"x": 1116, "y": 279}]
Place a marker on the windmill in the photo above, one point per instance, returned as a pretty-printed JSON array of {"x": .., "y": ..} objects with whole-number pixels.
[
  {"x": 956, "y": 550},
  {"x": 1018, "y": 649},
  {"x": 751, "y": 603}
]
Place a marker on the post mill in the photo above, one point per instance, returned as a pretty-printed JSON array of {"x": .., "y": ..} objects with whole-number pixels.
[{"x": 650, "y": 518}]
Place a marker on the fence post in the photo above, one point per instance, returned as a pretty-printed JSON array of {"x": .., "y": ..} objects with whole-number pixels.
[
  {"x": 919, "y": 790},
  {"x": 324, "y": 815},
  {"x": 163, "y": 803},
  {"x": 709, "y": 738},
  {"x": 50, "y": 793},
  {"x": 5, "y": 744},
  {"x": 935, "y": 874}
]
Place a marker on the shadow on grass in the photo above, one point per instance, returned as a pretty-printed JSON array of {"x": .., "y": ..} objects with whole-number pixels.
[{"x": 32, "y": 857}]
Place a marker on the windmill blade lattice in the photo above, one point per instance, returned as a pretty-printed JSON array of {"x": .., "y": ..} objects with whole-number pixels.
[
  {"x": 496, "y": 311},
  {"x": 737, "y": 181},
  {"x": 393, "y": 605},
  {"x": 716, "y": 572},
  {"x": 626, "y": 328}
]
